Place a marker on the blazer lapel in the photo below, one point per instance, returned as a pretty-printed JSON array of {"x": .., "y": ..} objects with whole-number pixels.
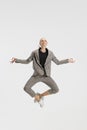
[
  {"x": 37, "y": 56},
  {"x": 48, "y": 57}
]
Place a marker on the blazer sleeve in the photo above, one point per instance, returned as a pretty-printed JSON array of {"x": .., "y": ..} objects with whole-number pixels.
[
  {"x": 25, "y": 61},
  {"x": 58, "y": 62}
]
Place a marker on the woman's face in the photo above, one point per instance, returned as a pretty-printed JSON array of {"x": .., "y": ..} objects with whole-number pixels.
[{"x": 43, "y": 42}]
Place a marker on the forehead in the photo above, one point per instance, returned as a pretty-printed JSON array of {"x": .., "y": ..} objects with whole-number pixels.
[{"x": 43, "y": 39}]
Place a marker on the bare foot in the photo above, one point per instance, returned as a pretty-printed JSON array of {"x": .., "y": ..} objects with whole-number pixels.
[{"x": 37, "y": 97}]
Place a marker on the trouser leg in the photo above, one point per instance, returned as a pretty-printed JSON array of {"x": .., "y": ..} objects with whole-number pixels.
[
  {"x": 28, "y": 86},
  {"x": 52, "y": 84},
  {"x": 47, "y": 80}
]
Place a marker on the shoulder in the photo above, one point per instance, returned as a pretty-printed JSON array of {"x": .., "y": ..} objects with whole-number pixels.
[
  {"x": 34, "y": 51},
  {"x": 50, "y": 52}
]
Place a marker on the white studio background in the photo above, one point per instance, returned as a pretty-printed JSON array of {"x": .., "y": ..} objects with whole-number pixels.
[{"x": 64, "y": 24}]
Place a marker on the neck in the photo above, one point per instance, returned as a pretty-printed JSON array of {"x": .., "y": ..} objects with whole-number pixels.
[{"x": 43, "y": 49}]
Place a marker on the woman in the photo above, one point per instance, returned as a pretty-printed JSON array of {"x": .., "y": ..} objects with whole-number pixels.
[{"x": 41, "y": 58}]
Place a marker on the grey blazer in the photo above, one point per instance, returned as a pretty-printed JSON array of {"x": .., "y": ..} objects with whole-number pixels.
[{"x": 38, "y": 69}]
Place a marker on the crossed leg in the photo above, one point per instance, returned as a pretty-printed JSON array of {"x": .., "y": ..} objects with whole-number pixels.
[
  {"x": 53, "y": 86},
  {"x": 47, "y": 80}
]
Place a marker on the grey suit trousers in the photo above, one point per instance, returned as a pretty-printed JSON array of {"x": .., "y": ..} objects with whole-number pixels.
[{"x": 45, "y": 79}]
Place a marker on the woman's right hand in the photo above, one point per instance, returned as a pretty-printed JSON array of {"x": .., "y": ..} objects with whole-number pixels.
[{"x": 13, "y": 60}]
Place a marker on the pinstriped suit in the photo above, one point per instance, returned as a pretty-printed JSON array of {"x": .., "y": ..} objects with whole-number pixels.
[{"x": 41, "y": 74}]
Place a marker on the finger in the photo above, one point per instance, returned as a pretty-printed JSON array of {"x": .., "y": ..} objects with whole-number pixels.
[
  {"x": 12, "y": 60},
  {"x": 73, "y": 61}
]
